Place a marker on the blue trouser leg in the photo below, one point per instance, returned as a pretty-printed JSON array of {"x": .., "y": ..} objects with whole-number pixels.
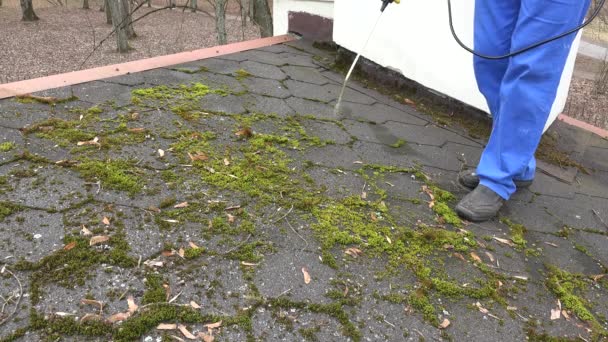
[
  {"x": 494, "y": 25},
  {"x": 527, "y": 90}
]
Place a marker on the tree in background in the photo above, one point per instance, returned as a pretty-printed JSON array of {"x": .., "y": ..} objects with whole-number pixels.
[
  {"x": 28, "y": 11},
  {"x": 220, "y": 21},
  {"x": 261, "y": 16}
]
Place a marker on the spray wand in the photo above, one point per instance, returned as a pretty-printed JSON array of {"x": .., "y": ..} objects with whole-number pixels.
[{"x": 386, "y": 2}]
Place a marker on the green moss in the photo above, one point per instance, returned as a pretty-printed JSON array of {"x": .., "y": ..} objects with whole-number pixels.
[
  {"x": 567, "y": 286},
  {"x": 517, "y": 232},
  {"x": 114, "y": 174},
  {"x": 65, "y": 133},
  {"x": 56, "y": 327},
  {"x": 7, "y": 209},
  {"x": 420, "y": 301},
  {"x": 7, "y": 146},
  {"x": 581, "y": 249},
  {"x": 149, "y": 318},
  {"x": 155, "y": 292},
  {"x": 309, "y": 334},
  {"x": 69, "y": 267},
  {"x": 95, "y": 110},
  {"x": 399, "y": 143},
  {"x": 46, "y": 100},
  {"x": 178, "y": 95},
  {"x": 448, "y": 215},
  {"x": 241, "y": 74},
  {"x": 193, "y": 253}
]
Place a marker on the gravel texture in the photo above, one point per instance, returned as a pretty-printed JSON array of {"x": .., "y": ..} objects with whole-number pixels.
[{"x": 63, "y": 37}]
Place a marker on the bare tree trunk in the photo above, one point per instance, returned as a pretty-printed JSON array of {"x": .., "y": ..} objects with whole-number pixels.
[
  {"x": 244, "y": 9},
  {"x": 220, "y": 21},
  {"x": 194, "y": 5},
  {"x": 128, "y": 20},
  {"x": 85, "y": 4},
  {"x": 27, "y": 9},
  {"x": 116, "y": 8},
  {"x": 262, "y": 17},
  {"x": 0, "y": 3},
  {"x": 108, "y": 9},
  {"x": 149, "y": 3}
]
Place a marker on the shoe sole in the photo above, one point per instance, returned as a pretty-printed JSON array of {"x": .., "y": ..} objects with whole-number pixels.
[
  {"x": 518, "y": 184},
  {"x": 469, "y": 216}
]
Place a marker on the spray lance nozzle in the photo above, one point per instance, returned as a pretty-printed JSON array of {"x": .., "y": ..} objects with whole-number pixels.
[{"x": 386, "y": 2}]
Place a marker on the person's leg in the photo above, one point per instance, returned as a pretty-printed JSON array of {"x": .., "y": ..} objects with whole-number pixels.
[
  {"x": 493, "y": 27},
  {"x": 527, "y": 93}
]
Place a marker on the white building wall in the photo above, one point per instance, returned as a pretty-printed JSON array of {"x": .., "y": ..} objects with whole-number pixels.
[{"x": 414, "y": 39}]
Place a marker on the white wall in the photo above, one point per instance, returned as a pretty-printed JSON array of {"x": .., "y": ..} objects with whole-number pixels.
[
  {"x": 280, "y": 9},
  {"x": 414, "y": 39}
]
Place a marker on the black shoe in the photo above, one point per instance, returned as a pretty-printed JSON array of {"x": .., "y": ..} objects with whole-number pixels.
[
  {"x": 470, "y": 179},
  {"x": 480, "y": 204}
]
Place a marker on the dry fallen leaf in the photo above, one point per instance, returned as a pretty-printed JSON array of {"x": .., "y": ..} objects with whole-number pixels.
[
  {"x": 167, "y": 291},
  {"x": 306, "y": 275},
  {"x": 206, "y": 337},
  {"x": 555, "y": 314},
  {"x": 98, "y": 239},
  {"x": 66, "y": 162},
  {"x": 69, "y": 246},
  {"x": 475, "y": 257},
  {"x": 153, "y": 263},
  {"x": 192, "y": 244},
  {"x": 226, "y": 161},
  {"x": 181, "y": 205},
  {"x": 131, "y": 303},
  {"x": 95, "y": 141},
  {"x": 459, "y": 256},
  {"x": 185, "y": 331},
  {"x": 490, "y": 256},
  {"x": 354, "y": 252},
  {"x": 481, "y": 308},
  {"x": 92, "y": 302},
  {"x": 166, "y": 326},
  {"x": 231, "y": 218},
  {"x": 137, "y": 130},
  {"x": 134, "y": 116},
  {"x": 161, "y": 153},
  {"x": 566, "y": 315},
  {"x": 181, "y": 252},
  {"x": 447, "y": 246},
  {"x": 363, "y": 195},
  {"x": 90, "y": 317},
  {"x": 213, "y": 325},
  {"x": 85, "y": 231},
  {"x": 245, "y": 263},
  {"x": 194, "y": 305},
  {"x": 106, "y": 221},
  {"x": 551, "y": 244},
  {"x": 511, "y": 308},
  {"x": 521, "y": 278},
  {"x": 373, "y": 216},
  {"x": 200, "y": 156},
  {"x": 409, "y": 102},
  {"x": 504, "y": 241},
  {"x": 445, "y": 323},
  {"x": 167, "y": 253},
  {"x": 597, "y": 277},
  {"x": 245, "y": 132},
  {"x": 430, "y": 193},
  {"x": 121, "y": 316}
]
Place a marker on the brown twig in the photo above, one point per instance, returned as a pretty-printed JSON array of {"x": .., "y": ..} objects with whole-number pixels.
[{"x": 4, "y": 269}]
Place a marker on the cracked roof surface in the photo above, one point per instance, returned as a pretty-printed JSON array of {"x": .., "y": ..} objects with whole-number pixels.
[{"x": 226, "y": 181}]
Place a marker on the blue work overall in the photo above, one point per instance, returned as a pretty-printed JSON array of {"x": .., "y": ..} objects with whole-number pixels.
[{"x": 520, "y": 91}]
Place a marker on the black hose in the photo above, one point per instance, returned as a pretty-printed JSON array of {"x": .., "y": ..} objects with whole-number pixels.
[{"x": 594, "y": 14}]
